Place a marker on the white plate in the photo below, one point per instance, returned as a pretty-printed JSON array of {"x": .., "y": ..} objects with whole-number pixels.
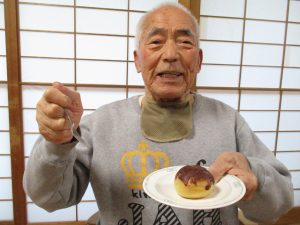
[{"x": 159, "y": 185}]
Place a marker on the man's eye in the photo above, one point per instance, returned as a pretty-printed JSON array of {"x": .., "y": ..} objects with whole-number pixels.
[
  {"x": 187, "y": 42},
  {"x": 156, "y": 42}
]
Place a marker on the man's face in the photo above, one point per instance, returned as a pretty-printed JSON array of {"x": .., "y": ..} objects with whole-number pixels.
[{"x": 168, "y": 55}]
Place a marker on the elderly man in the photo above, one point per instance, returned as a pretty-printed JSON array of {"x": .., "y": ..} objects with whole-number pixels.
[{"x": 124, "y": 141}]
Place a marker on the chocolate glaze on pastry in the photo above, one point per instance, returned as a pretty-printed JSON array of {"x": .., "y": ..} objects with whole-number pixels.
[
  {"x": 193, "y": 174},
  {"x": 193, "y": 181}
]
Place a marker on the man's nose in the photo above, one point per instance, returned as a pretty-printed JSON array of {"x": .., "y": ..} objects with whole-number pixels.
[{"x": 170, "y": 53}]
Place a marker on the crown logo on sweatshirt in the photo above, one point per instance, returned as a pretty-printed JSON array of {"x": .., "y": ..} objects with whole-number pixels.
[{"x": 137, "y": 164}]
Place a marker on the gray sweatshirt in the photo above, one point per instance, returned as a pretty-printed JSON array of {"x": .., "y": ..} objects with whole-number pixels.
[{"x": 115, "y": 158}]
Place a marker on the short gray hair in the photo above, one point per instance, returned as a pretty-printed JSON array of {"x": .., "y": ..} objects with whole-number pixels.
[{"x": 139, "y": 27}]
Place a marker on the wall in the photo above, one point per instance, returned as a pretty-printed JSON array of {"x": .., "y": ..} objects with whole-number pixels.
[{"x": 252, "y": 62}]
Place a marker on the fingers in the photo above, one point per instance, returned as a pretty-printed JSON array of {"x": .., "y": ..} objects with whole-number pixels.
[
  {"x": 54, "y": 123},
  {"x": 227, "y": 161},
  {"x": 218, "y": 171},
  {"x": 72, "y": 104},
  {"x": 73, "y": 97},
  {"x": 55, "y": 96},
  {"x": 56, "y": 137},
  {"x": 236, "y": 164},
  {"x": 50, "y": 109},
  {"x": 66, "y": 91},
  {"x": 249, "y": 179},
  {"x": 51, "y": 113}
]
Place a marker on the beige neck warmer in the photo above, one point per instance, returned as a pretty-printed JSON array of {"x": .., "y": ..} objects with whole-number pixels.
[{"x": 167, "y": 121}]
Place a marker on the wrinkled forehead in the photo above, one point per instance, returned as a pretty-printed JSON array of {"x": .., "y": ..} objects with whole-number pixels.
[{"x": 169, "y": 19}]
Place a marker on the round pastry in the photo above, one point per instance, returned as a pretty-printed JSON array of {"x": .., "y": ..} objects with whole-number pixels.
[{"x": 193, "y": 182}]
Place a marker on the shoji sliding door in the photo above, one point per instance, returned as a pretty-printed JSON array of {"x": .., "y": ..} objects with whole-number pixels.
[
  {"x": 6, "y": 204},
  {"x": 87, "y": 45},
  {"x": 252, "y": 62}
]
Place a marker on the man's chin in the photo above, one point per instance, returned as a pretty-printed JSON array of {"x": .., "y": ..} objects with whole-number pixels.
[{"x": 168, "y": 96}]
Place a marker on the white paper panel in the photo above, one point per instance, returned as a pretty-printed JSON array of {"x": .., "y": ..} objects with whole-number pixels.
[
  {"x": 37, "y": 214},
  {"x": 97, "y": 72},
  {"x": 224, "y": 76},
  {"x": 2, "y": 43},
  {"x": 131, "y": 49},
  {"x": 292, "y": 56},
  {"x": 228, "y": 97},
  {"x": 5, "y": 143},
  {"x": 231, "y": 8},
  {"x": 6, "y": 189},
  {"x": 296, "y": 179},
  {"x": 4, "y": 123},
  {"x": 221, "y": 53},
  {"x": 145, "y": 5},
  {"x": 260, "y": 77},
  {"x": 56, "y": 2},
  {"x": 6, "y": 166},
  {"x": 134, "y": 78},
  {"x": 288, "y": 141},
  {"x": 264, "y": 32},
  {"x": 96, "y": 21},
  {"x": 86, "y": 210},
  {"x": 46, "y": 18},
  {"x": 259, "y": 100},
  {"x": 28, "y": 199},
  {"x": 101, "y": 47},
  {"x": 6, "y": 209},
  {"x": 268, "y": 138},
  {"x": 267, "y": 9},
  {"x": 92, "y": 98},
  {"x": 293, "y": 34},
  {"x": 290, "y": 121},
  {"x": 115, "y": 4},
  {"x": 221, "y": 29},
  {"x": 135, "y": 92},
  {"x": 47, "y": 44},
  {"x": 47, "y": 70},
  {"x": 297, "y": 198},
  {"x": 291, "y": 78},
  {"x": 3, "y": 95},
  {"x": 31, "y": 95},
  {"x": 133, "y": 20},
  {"x": 261, "y": 121},
  {"x": 265, "y": 55},
  {"x": 29, "y": 140},
  {"x": 289, "y": 159},
  {"x": 3, "y": 71},
  {"x": 290, "y": 101},
  {"x": 87, "y": 112},
  {"x": 89, "y": 194},
  {"x": 294, "y": 15},
  {"x": 29, "y": 122},
  {"x": 2, "y": 24}
]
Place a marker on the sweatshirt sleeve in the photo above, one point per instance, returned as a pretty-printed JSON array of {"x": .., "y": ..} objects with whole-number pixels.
[
  {"x": 274, "y": 195},
  {"x": 56, "y": 176}
]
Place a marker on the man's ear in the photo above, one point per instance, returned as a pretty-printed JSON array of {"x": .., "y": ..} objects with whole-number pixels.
[
  {"x": 200, "y": 59},
  {"x": 136, "y": 61}
]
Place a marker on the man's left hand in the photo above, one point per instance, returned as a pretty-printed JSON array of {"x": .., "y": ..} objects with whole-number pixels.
[{"x": 235, "y": 163}]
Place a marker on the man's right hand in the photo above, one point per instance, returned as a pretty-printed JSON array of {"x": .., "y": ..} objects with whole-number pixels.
[{"x": 51, "y": 115}]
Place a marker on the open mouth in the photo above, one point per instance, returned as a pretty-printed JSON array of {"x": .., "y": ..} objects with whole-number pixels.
[{"x": 169, "y": 74}]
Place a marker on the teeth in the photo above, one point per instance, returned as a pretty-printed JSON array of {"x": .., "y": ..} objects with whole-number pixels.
[{"x": 169, "y": 74}]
